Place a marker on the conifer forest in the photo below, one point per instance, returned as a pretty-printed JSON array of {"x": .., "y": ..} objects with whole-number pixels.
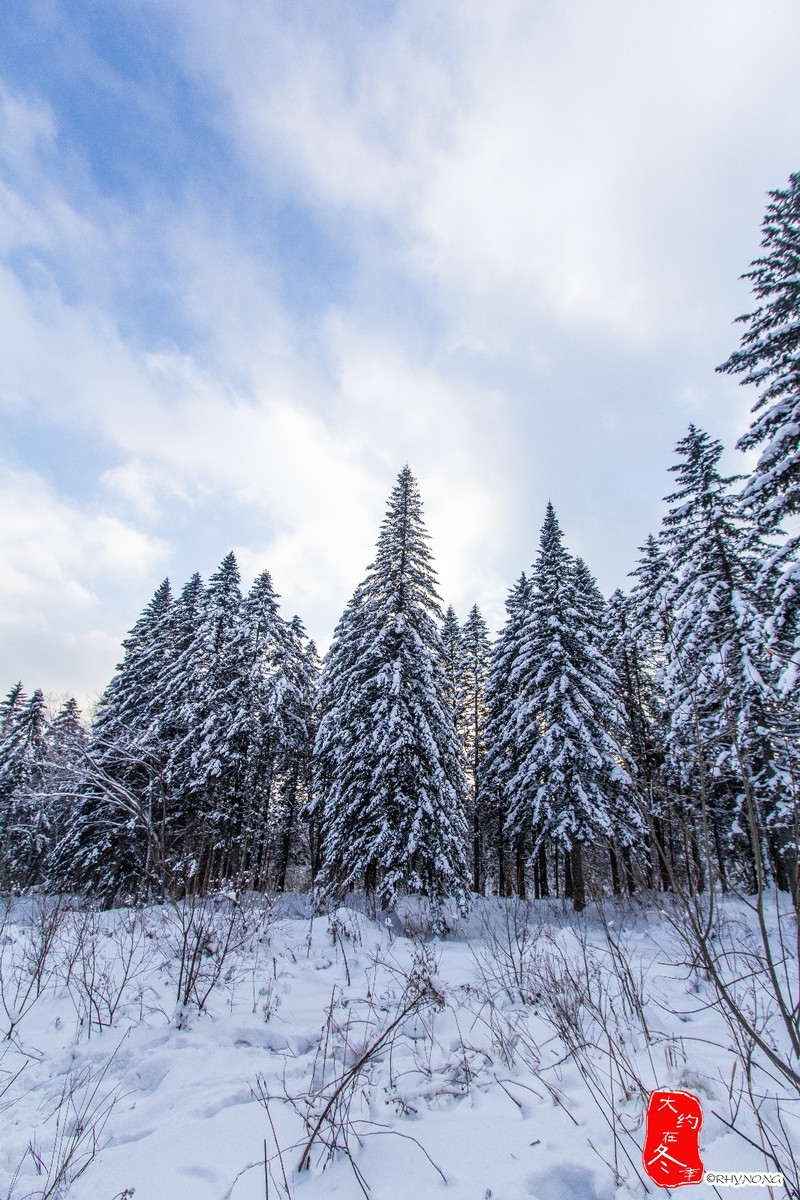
[
  {"x": 595, "y": 745},
  {"x": 631, "y": 754}
]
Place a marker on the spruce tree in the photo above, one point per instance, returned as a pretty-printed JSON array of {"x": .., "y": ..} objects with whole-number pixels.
[
  {"x": 769, "y": 359},
  {"x": 295, "y": 687},
  {"x": 221, "y": 723},
  {"x": 628, "y": 647},
  {"x": 388, "y": 759},
  {"x": 112, "y": 840},
  {"x": 725, "y": 715},
  {"x": 504, "y": 751},
  {"x": 451, "y": 644},
  {"x": 475, "y": 653},
  {"x": 185, "y": 674},
  {"x": 67, "y": 752},
  {"x": 23, "y": 820},
  {"x": 565, "y": 720}
]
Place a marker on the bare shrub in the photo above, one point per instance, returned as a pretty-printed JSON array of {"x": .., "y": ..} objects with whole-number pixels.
[
  {"x": 71, "y": 1134},
  {"x": 752, "y": 973},
  {"x": 358, "y": 1040},
  {"x": 105, "y": 958},
  {"x": 506, "y": 954},
  {"x": 27, "y": 958},
  {"x": 205, "y": 936}
]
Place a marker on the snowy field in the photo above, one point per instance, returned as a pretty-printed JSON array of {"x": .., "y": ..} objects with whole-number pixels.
[{"x": 167, "y": 1052}]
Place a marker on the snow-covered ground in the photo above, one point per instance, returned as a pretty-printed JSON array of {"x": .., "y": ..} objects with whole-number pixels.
[{"x": 510, "y": 1058}]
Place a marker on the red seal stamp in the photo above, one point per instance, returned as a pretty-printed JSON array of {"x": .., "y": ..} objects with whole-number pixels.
[{"x": 671, "y": 1154}]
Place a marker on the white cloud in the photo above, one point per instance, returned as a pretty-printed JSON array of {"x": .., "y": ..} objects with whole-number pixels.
[
  {"x": 56, "y": 550},
  {"x": 61, "y": 564},
  {"x": 554, "y": 157},
  {"x": 541, "y": 206}
]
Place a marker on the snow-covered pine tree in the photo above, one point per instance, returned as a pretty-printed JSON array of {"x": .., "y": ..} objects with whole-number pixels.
[
  {"x": 23, "y": 825},
  {"x": 221, "y": 724},
  {"x": 769, "y": 358},
  {"x": 451, "y": 644},
  {"x": 130, "y": 708},
  {"x": 338, "y": 678},
  {"x": 67, "y": 755},
  {"x": 727, "y": 743},
  {"x": 387, "y": 753},
  {"x": 294, "y": 691},
  {"x": 262, "y": 646},
  {"x": 628, "y": 651},
  {"x": 628, "y": 821},
  {"x": 474, "y": 656},
  {"x": 183, "y": 685},
  {"x": 10, "y": 707},
  {"x": 566, "y": 719},
  {"x": 110, "y": 844},
  {"x": 503, "y": 750},
  {"x": 280, "y": 687}
]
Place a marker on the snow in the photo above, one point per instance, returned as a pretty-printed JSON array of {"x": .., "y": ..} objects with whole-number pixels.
[{"x": 472, "y": 1094}]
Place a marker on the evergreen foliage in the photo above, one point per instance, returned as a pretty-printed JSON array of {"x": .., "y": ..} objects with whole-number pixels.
[
  {"x": 504, "y": 750},
  {"x": 474, "y": 659},
  {"x": 725, "y": 738},
  {"x": 769, "y": 358},
  {"x": 565, "y": 719},
  {"x": 388, "y": 758}
]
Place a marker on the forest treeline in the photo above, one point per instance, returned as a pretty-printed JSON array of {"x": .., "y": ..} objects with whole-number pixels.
[{"x": 650, "y": 740}]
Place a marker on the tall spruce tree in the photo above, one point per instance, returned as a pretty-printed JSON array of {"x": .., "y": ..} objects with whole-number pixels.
[
  {"x": 451, "y": 645},
  {"x": 474, "y": 656},
  {"x": 110, "y": 843},
  {"x": 23, "y": 821},
  {"x": 183, "y": 685},
  {"x": 629, "y": 647},
  {"x": 388, "y": 759},
  {"x": 504, "y": 751},
  {"x": 566, "y": 787},
  {"x": 725, "y": 715},
  {"x": 769, "y": 359},
  {"x": 295, "y": 687}
]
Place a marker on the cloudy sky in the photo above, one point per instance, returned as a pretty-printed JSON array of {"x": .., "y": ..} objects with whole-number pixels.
[{"x": 257, "y": 254}]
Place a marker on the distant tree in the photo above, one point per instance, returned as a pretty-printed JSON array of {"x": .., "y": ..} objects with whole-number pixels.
[
  {"x": 10, "y": 707},
  {"x": 387, "y": 752},
  {"x": 451, "y": 644}
]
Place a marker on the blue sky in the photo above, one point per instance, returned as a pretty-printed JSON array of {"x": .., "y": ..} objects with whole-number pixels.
[{"x": 257, "y": 255}]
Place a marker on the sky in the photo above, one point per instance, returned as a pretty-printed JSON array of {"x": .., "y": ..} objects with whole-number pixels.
[{"x": 255, "y": 255}]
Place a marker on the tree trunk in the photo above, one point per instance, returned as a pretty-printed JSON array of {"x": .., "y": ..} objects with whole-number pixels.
[
  {"x": 521, "y": 872},
  {"x": 568, "y": 890},
  {"x": 612, "y": 854},
  {"x": 287, "y": 831},
  {"x": 543, "y": 887},
  {"x": 578, "y": 881},
  {"x": 502, "y": 886}
]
